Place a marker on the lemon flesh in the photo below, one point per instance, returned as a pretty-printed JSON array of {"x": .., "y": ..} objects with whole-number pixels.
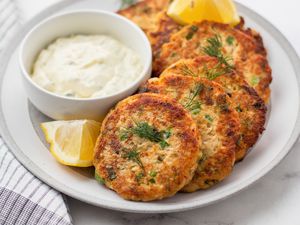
[
  {"x": 190, "y": 11},
  {"x": 72, "y": 142}
]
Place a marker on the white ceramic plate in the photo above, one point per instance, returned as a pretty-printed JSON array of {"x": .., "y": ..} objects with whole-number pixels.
[{"x": 19, "y": 122}]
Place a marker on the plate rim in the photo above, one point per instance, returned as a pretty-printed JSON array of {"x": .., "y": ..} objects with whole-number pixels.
[{"x": 34, "y": 169}]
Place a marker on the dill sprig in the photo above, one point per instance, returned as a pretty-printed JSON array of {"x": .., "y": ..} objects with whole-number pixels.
[
  {"x": 187, "y": 71},
  {"x": 214, "y": 49},
  {"x": 214, "y": 72},
  {"x": 144, "y": 130},
  {"x": 192, "y": 104},
  {"x": 134, "y": 156}
]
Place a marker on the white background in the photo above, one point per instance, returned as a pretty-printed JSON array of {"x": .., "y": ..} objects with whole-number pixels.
[{"x": 273, "y": 200}]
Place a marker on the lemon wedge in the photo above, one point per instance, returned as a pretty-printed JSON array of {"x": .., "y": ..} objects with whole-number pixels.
[
  {"x": 72, "y": 142},
  {"x": 189, "y": 11}
]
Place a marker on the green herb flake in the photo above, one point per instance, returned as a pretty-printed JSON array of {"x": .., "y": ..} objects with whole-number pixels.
[
  {"x": 209, "y": 118},
  {"x": 99, "y": 179},
  {"x": 230, "y": 40},
  {"x": 255, "y": 80},
  {"x": 152, "y": 181},
  {"x": 134, "y": 156},
  {"x": 139, "y": 176},
  {"x": 111, "y": 173},
  {"x": 153, "y": 173},
  {"x": 238, "y": 108},
  {"x": 123, "y": 135},
  {"x": 163, "y": 144},
  {"x": 193, "y": 29}
]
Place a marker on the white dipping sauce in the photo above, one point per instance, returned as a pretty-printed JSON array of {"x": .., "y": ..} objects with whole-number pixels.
[{"x": 86, "y": 66}]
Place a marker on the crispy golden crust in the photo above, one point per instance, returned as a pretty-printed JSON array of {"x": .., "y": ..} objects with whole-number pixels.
[
  {"x": 218, "y": 124},
  {"x": 165, "y": 27},
  {"x": 144, "y": 13},
  {"x": 246, "y": 55},
  {"x": 249, "y": 106},
  {"x": 260, "y": 48},
  {"x": 139, "y": 168}
]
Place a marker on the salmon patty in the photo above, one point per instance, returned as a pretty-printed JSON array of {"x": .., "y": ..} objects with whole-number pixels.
[
  {"x": 217, "y": 122},
  {"x": 246, "y": 102},
  {"x": 232, "y": 47},
  {"x": 148, "y": 149}
]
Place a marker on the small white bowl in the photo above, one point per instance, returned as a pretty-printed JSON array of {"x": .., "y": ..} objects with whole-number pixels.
[{"x": 80, "y": 22}]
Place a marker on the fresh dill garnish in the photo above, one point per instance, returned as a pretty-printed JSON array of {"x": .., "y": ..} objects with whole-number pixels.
[
  {"x": 99, "y": 179},
  {"x": 230, "y": 40},
  {"x": 123, "y": 135},
  {"x": 192, "y": 104},
  {"x": 134, "y": 156},
  {"x": 144, "y": 130},
  {"x": 254, "y": 80},
  {"x": 187, "y": 71},
  {"x": 153, "y": 173},
  {"x": 209, "y": 118},
  {"x": 139, "y": 176},
  {"x": 192, "y": 30},
  {"x": 216, "y": 71},
  {"x": 214, "y": 49}
]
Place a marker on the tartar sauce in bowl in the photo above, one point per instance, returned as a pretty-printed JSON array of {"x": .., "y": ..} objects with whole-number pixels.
[{"x": 86, "y": 66}]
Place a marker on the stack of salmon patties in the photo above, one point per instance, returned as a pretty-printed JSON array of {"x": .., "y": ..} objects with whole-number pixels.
[{"x": 202, "y": 111}]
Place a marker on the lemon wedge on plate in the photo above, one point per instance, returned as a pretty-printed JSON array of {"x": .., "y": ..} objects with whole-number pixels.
[
  {"x": 189, "y": 11},
  {"x": 72, "y": 142}
]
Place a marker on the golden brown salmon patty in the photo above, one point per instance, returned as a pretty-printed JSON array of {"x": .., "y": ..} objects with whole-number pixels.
[
  {"x": 144, "y": 13},
  {"x": 231, "y": 46},
  {"x": 249, "y": 106},
  {"x": 148, "y": 148},
  {"x": 217, "y": 123}
]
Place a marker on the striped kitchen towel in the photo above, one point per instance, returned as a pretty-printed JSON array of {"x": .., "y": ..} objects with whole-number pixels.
[{"x": 24, "y": 199}]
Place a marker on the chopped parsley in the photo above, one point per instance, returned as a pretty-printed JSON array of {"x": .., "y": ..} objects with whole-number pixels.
[
  {"x": 230, "y": 40},
  {"x": 153, "y": 173},
  {"x": 192, "y": 30},
  {"x": 152, "y": 181},
  {"x": 255, "y": 80},
  {"x": 139, "y": 176},
  {"x": 99, "y": 179},
  {"x": 209, "y": 118},
  {"x": 123, "y": 135}
]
